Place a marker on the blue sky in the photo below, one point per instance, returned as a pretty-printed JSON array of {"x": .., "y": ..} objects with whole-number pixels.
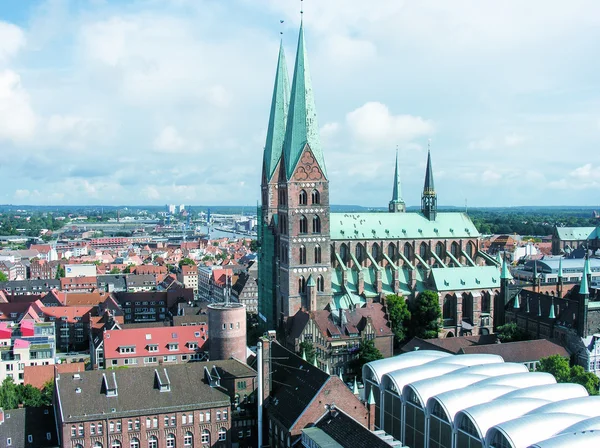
[{"x": 166, "y": 101}]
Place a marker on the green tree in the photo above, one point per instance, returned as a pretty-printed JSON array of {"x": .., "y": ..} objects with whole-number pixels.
[
  {"x": 367, "y": 352},
  {"x": 399, "y": 316},
  {"x": 3, "y": 277},
  {"x": 60, "y": 271},
  {"x": 309, "y": 351},
  {"x": 426, "y": 315},
  {"x": 48, "y": 393},
  {"x": 115, "y": 271},
  {"x": 254, "y": 245},
  {"x": 511, "y": 333},
  {"x": 557, "y": 366},
  {"x": 127, "y": 269},
  {"x": 187, "y": 262},
  {"x": 29, "y": 396},
  {"x": 9, "y": 394},
  {"x": 587, "y": 379}
]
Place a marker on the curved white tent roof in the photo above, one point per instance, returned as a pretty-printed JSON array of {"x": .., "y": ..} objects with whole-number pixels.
[
  {"x": 528, "y": 429},
  {"x": 454, "y": 401},
  {"x": 551, "y": 392},
  {"x": 471, "y": 360},
  {"x": 588, "y": 439},
  {"x": 400, "y": 378},
  {"x": 484, "y": 416},
  {"x": 590, "y": 424},
  {"x": 375, "y": 370},
  {"x": 589, "y": 406},
  {"x": 523, "y": 379},
  {"x": 424, "y": 389}
]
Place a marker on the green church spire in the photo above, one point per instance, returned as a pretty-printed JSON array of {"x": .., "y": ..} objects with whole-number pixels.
[
  {"x": 584, "y": 288},
  {"x": 302, "y": 127},
  {"x": 428, "y": 188},
  {"x": 429, "y": 197},
  {"x": 278, "y": 116},
  {"x": 397, "y": 203},
  {"x": 505, "y": 274}
]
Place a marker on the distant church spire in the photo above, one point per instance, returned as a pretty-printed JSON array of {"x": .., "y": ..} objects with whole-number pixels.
[
  {"x": 397, "y": 203},
  {"x": 278, "y": 117},
  {"x": 302, "y": 127},
  {"x": 429, "y": 197}
]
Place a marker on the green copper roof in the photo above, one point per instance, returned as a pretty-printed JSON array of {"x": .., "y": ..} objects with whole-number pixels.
[
  {"x": 551, "y": 314},
  {"x": 302, "y": 126},
  {"x": 311, "y": 281},
  {"x": 576, "y": 233},
  {"x": 584, "y": 287},
  {"x": 278, "y": 116},
  {"x": 586, "y": 267},
  {"x": 465, "y": 278},
  {"x": 560, "y": 269},
  {"x": 397, "y": 189},
  {"x": 428, "y": 187},
  {"x": 505, "y": 275},
  {"x": 371, "y": 399},
  {"x": 516, "y": 304},
  {"x": 356, "y": 226}
]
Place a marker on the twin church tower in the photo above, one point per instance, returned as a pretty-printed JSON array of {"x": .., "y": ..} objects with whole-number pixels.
[{"x": 295, "y": 247}]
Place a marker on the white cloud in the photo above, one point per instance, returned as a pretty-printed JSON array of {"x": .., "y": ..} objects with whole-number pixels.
[
  {"x": 169, "y": 140},
  {"x": 373, "y": 124},
  {"x": 151, "y": 193},
  {"x": 17, "y": 119},
  {"x": 12, "y": 39}
]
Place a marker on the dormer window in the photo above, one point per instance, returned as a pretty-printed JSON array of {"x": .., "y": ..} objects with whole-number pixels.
[
  {"x": 173, "y": 347},
  {"x": 153, "y": 348},
  {"x": 192, "y": 345},
  {"x": 127, "y": 349}
]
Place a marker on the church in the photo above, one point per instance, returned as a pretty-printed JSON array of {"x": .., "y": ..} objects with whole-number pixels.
[{"x": 315, "y": 262}]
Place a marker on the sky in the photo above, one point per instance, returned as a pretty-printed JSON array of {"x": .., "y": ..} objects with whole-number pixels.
[{"x": 151, "y": 102}]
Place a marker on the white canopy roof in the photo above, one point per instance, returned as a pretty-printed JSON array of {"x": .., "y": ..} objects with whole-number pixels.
[
  {"x": 589, "y": 406},
  {"x": 375, "y": 370},
  {"x": 589, "y": 439},
  {"x": 590, "y": 424}
]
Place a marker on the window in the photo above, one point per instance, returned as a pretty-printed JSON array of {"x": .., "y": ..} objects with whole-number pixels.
[
  {"x": 80, "y": 430},
  {"x": 97, "y": 445},
  {"x": 440, "y": 249},
  {"x": 317, "y": 253},
  {"x": 166, "y": 420},
  {"x": 134, "y": 443},
  {"x": 316, "y": 224},
  {"x": 111, "y": 427},
  {"x": 301, "y": 285},
  {"x": 207, "y": 416},
  {"x": 188, "y": 439},
  {"x": 315, "y": 197},
  {"x": 129, "y": 425},
  {"x": 241, "y": 384},
  {"x": 155, "y": 422},
  {"x": 302, "y": 198},
  {"x": 408, "y": 251},
  {"x": 148, "y": 422},
  {"x": 423, "y": 250},
  {"x": 222, "y": 434},
  {"x": 100, "y": 428},
  {"x": 303, "y": 222},
  {"x": 224, "y": 415},
  {"x": 173, "y": 420},
  {"x": 191, "y": 418},
  {"x": 205, "y": 437},
  {"x": 137, "y": 424},
  {"x": 73, "y": 431},
  {"x": 152, "y": 442},
  {"x": 119, "y": 426},
  {"x": 184, "y": 419},
  {"x": 320, "y": 283},
  {"x": 200, "y": 417},
  {"x": 116, "y": 444},
  {"x": 302, "y": 257},
  {"x": 171, "y": 441},
  {"x": 218, "y": 418}
]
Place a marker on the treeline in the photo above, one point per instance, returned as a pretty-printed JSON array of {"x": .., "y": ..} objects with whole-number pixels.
[
  {"x": 32, "y": 223},
  {"x": 13, "y": 395}
]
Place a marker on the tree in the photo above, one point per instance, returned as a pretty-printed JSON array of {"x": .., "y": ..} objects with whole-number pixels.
[
  {"x": 9, "y": 396},
  {"x": 511, "y": 333},
  {"x": 47, "y": 393},
  {"x": 115, "y": 271},
  {"x": 557, "y": 366},
  {"x": 127, "y": 269},
  {"x": 309, "y": 351},
  {"x": 426, "y": 315},
  {"x": 30, "y": 396},
  {"x": 399, "y": 316},
  {"x": 60, "y": 272},
  {"x": 3, "y": 277},
  {"x": 187, "y": 262},
  {"x": 367, "y": 352},
  {"x": 587, "y": 379}
]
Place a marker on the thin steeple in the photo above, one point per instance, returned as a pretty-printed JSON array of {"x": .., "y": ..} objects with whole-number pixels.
[
  {"x": 584, "y": 288},
  {"x": 429, "y": 187},
  {"x": 278, "y": 117},
  {"x": 429, "y": 197},
  {"x": 302, "y": 127},
  {"x": 505, "y": 274},
  {"x": 397, "y": 203},
  {"x": 560, "y": 268}
]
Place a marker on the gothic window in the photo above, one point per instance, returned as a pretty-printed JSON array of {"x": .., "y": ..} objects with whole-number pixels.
[
  {"x": 408, "y": 251},
  {"x": 375, "y": 251},
  {"x": 152, "y": 442},
  {"x": 470, "y": 249},
  {"x": 449, "y": 310},
  {"x": 171, "y": 441},
  {"x": 485, "y": 303},
  {"x": 301, "y": 285},
  {"x": 423, "y": 251},
  {"x": 302, "y": 198},
  {"x": 344, "y": 253},
  {"x": 205, "y": 438},
  {"x": 282, "y": 197},
  {"x": 303, "y": 224},
  {"x": 116, "y": 444},
  {"x": 467, "y": 308},
  {"x": 302, "y": 255},
  {"x": 315, "y": 197},
  {"x": 439, "y": 249},
  {"x": 455, "y": 249},
  {"x": 134, "y": 443},
  {"x": 392, "y": 251},
  {"x": 317, "y": 254},
  {"x": 316, "y": 224},
  {"x": 188, "y": 439},
  {"x": 360, "y": 253},
  {"x": 320, "y": 283}
]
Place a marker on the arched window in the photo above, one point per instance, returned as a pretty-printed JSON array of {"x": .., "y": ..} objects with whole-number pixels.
[
  {"x": 171, "y": 441},
  {"x": 485, "y": 303},
  {"x": 316, "y": 225},
  {"x": 73, "y": 430},
  {"x": 375, "y": 251},
  {"x": 222, "y": 434},
  {"x": 316, "y": 197},
  {"x": 320, "y": 283},
  {"x": 79, "y": 445},
  {"x": 188, "y": 439},
  {"x": 317, "y": 254},
  {"x": 303, "y": 224},
  {"x": 344, "y": 253},
  {"x": 301, "y": 285},
  {"x": 360, "y": 253},
  {"x": 470, "y": 249},
  {"x": 455, "y": 249},
  {"x": 152, "y": 442},
  {"x": 302, "y": 255},
  {"x": 467, "y": 308},
  {"x": 134, "y": 443},
  {"x": 205, "y": 436},
  {"x": 440, "y": 249},
  {"x": 302, "y": 198},
  {"x": 116, "y": 444},
  {"x": 392, "y": 251},
  {"x": 97, "y": 445},
  {"x": 408, "y": 251},
  {"x": 423, "y": 250},
  {"x": 449, "y": 310}
]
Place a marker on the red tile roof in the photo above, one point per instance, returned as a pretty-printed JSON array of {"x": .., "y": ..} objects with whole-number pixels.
[
  {"x": 37, "y": 376},
  {"x": 142, "y": 338}
]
